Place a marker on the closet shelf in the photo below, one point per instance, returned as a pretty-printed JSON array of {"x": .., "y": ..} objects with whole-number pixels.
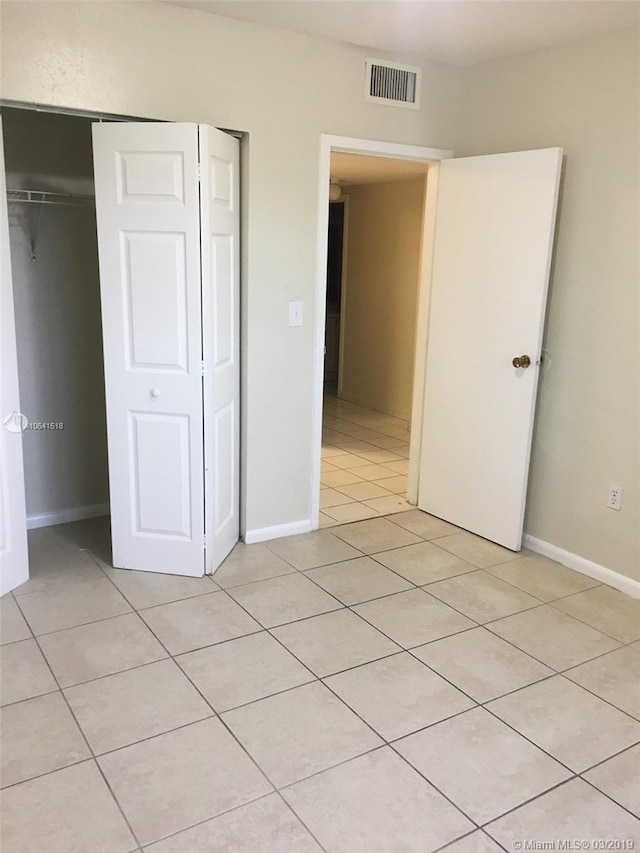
[
  {"x": 41, "y": 198},
  {"x": 45, "y": 197}
]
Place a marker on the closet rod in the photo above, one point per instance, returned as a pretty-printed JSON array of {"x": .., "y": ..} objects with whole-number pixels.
[{"x": 44, "y": 197}]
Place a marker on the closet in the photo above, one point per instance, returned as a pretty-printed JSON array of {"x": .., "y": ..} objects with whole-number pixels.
[
  {"x": 141, "y": 264},
  {"x": 54, "y": 257}
]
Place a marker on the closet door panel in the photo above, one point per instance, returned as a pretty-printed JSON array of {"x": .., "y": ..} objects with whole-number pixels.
[
  {"x": 155, "y": 274},
  {"x": 147, "y": 204},
  {"x": 220, "y": 204}
]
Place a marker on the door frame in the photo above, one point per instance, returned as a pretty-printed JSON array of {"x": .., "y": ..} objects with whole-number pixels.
[
  {"x": 397, "y": 151},
  {"x": 104, "y": 116}
]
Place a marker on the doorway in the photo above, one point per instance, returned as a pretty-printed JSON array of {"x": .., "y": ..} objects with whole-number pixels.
[
  {"x": 354, "y": 162},
  {"x": 56, "y": 289},
  {"x": 496, "y": 218},
  {"x": 373, "y": 275}
]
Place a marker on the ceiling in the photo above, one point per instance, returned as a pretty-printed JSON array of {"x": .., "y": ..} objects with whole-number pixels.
[
  {"x": 462, "y": 32},
  {"x": 364, "y": 169}
]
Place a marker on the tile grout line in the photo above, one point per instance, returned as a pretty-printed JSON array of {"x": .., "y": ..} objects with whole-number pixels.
[
  {"x": 98, "y": 755},
  {"x": 385, "y": 745},
  {"x": 604, "y": 793},
  {"x": 521, "y": 589},
  {"x": 218, "y": 716},
  {"x": 409, "y": 650},
  {"x": 245, "y": 749},
  {"x": 477, "y": 704},
  {"x": 574, "y": 774},
  {"x": 372, "y": 556},
  {"x": 436, "y": 639},
  {"x": 215, "y": 715},
  {"x": 573, "y": 778},
  {"x": 370, "y": 511},
  {"x": 477, "y": 624},
  {"x": 582, "y": 621},
  {"x": 596, "y": 695},
  {"x": 302, "y": 821},
  {"x": 349, "y": 708},
  {"x": 555, "y": 672},
  {"x": 564, "y": 670},
  {"x": 353, "y": 425},
  {"x": 389, "y": 744},
  {"x": 82, "y": 624},
  {"x": 124, "y": 613},
  {"x": 207, "y": 819},
  {"x": 450, "y": 844},
  {"x": 92, "y": 757},
  {"x": 485, "y": 826},
  {"x": 138, "y": 611},
  {"x": 273, "y": 793},
  {"x": 303, "y": 571},
  {"x": 609, "y": 758},
  {"x": 319, "y": 679},
  {"x": 58, "y": 586}
]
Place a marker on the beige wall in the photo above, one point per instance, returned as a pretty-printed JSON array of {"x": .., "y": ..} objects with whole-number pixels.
[
  {"x": 160, "y": 61},
  {"x": 584, "y": 98},
  {"x": 384, "y": 235}
]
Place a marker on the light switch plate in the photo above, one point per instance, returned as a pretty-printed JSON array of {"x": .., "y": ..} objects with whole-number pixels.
[{"x": 295, "y": 313}]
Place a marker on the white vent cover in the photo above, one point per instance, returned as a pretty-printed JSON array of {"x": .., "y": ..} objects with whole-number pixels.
[{"x": 392, "y": 84}]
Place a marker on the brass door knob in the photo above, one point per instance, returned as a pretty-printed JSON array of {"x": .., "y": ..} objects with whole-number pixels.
[{"x": 521, "y": 361}]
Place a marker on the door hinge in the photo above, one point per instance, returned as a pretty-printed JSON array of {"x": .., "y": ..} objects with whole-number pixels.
[
  {"x": 204, "y": 541},
  {"x": 202, "y": 368}
]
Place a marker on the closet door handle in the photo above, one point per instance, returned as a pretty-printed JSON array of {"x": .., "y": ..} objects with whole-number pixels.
[{"x": 154, "y": 392}]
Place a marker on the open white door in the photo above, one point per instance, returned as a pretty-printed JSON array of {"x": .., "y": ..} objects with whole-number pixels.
[
  {"x": 220, "y": 223},
  {"x": 495, "y": 224},
  {"x": 14, "y": 561},
  {"x": 148, "y": 215}
]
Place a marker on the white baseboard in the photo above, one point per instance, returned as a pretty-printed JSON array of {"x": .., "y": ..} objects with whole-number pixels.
[
  {"x": 263, "y": 534},
  {"x": 63, "y": 516},
  {"x": 586, "y": 567}
]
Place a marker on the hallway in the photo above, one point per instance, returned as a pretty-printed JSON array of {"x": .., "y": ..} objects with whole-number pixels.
[{"x": 365, "y": 458}]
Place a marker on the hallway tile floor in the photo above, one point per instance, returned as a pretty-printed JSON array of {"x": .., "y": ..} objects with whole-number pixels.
[
  {"x": 392, "y": 684},
  {"x": 365, "y": 458}
]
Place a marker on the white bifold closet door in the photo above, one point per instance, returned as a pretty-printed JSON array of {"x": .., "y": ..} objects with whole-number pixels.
[
  {"x": 220, "y": 230},
  {"x": 14, "y": 561},
  {"x": 494, "y": 230},
  {"x": 168, "y": 225}
]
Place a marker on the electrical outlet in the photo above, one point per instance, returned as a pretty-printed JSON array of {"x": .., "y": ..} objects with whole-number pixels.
[{"x": 615, "y": 497}]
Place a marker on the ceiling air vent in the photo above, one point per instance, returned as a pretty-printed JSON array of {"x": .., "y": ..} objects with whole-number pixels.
[{"x": 392, "y": 84}]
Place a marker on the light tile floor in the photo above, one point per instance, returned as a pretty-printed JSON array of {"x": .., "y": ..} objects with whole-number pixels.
[
  {"x": 365, "y": 456},
  {"x": 392, "y": 684}
]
